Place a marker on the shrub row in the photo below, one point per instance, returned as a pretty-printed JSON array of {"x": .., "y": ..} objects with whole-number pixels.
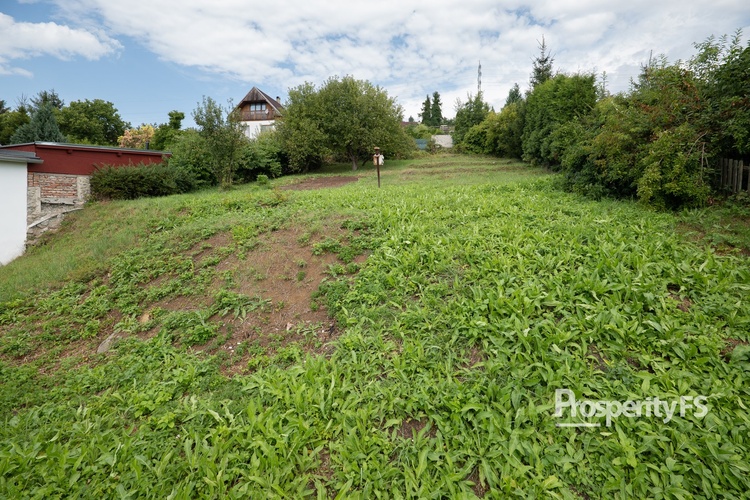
[
  {"x": 657, "y": 142},
  {"x": 141, "y": 180}
]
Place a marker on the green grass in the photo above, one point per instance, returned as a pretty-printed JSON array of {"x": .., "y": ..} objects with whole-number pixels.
[
  {"x": 484, "y": 292},
  {"x": 725, "y": 225}
]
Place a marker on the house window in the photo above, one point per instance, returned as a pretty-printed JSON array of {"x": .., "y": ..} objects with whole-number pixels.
[{"x": 258, "y": 107}]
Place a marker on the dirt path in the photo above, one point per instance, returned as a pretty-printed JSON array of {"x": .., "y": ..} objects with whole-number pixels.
[{"x": 320, "y": 183}]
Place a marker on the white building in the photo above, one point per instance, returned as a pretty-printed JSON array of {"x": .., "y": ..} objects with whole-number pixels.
[
  {"x": 259, "y": 112},
  {"x": 13, "y": 201}
]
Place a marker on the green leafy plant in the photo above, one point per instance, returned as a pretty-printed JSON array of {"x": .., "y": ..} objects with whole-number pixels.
[
  {"x": 237, "y": 304},
  {"x": 435, "y": 374},
  {"x": 127, "y": 183},
  {"x": 191, "y": 327}
]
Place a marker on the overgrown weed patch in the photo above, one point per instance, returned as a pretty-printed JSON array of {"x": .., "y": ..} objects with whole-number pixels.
[{"x": 476, "y": 302}]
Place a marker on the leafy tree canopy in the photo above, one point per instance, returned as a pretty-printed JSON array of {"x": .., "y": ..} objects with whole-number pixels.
[
  {"x": 92, "y": 122},
  {"x": 224, "y": 137},
  {"x": 549, "y": 106},
  {"x": 167, "y": 134},
  {"x": 137, "y": 138},
  {"x": 344, "y": 117},
  {"x": 10, "y": 121},
  {"x": 468, "y": 114},
  {"x": 722, "y": 70}
]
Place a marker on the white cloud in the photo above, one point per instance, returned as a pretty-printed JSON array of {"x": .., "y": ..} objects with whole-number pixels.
[
  {"x": 410, "y": 48},
  {"x": 22, "y": 40}
]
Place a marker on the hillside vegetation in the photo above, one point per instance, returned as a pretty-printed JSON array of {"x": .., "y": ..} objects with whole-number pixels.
[{"x": 356, "y": 342}]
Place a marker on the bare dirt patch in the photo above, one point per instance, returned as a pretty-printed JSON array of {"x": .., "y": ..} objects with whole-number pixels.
[
  {"x": 454, "y": 172},
  {"x": 479, "y": 489},
  {"x": 683, "y": 304},
  {"x": 601, "y": 362},
  {"x": 282, "y": 272},
  {"x": 320, "y": 183},
  {"x": 411, "y": 427},
  {"x": 730, "y": 345}
]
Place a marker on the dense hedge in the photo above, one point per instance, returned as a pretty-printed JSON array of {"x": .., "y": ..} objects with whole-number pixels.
[
  {"x": 137, "y": 181},
  {"x": 657, "y": 142}
]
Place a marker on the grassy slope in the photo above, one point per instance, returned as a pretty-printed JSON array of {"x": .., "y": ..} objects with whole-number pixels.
[{"x": 480, "y": 298}]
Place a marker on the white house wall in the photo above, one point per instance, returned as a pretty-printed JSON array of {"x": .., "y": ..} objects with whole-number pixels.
[
  {"x": 253, "y": 128},
  {"x": 13, "y": 205}
]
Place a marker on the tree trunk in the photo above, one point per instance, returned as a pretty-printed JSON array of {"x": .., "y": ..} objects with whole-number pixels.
[{"x": 354, "y": 161}]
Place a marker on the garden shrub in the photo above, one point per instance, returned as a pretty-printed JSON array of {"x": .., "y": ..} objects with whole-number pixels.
[
  {"x": 475, "y": 140},
  {"x": 551, "y": 105},
  {"x": 260, "y": 156},
  {"x": 504, "y": 130},
  {"x": 191, "y": 154},
  {"x": 673, "y": 175},
  {"x": 138, "y": 181}
]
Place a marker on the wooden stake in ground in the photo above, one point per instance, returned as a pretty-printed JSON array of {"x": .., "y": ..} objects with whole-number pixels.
[{"x": 377, "y": 160}]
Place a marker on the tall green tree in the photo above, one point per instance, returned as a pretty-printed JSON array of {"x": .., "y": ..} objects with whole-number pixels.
[
  {"x": 92, "y": 122},
  {"x": 47, "y": 97},
  {"x": 436, "y": 113},
  {"x": 514, "y": 95},
  {"x": 224, "y": 136},
  {"x": 426, "y": 113},
  {"x": 167, "y": 134},
  {"x": 472, "y": 112},
  {"x": 504, "y": 131},
  {"x": 549, "y": 106},
  {"x": 542, "y": 67},
  {"x": 345, "y": 117},
  {"x": 42, "y": 127},
  {"x": 10, "y": 121},
  {"x": 722, "y": 71}
]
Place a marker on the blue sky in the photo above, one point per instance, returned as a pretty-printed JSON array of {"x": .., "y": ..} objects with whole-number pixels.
[{"x": 150, "y": 57}]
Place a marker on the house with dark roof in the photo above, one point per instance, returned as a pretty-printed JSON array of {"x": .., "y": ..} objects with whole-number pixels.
[{"x": 259, "y": 112}]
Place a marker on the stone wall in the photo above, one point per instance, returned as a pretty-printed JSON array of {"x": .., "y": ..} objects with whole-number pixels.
[
  {"x": 50, "y": 197},
  {"x": 74, "y": 188}
]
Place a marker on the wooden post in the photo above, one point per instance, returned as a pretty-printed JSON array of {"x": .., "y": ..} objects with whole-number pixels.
[
  {"x": 738, "y": 176},
  {"x": 377, "y": 159},
  {"x": 723, "y": 165}
]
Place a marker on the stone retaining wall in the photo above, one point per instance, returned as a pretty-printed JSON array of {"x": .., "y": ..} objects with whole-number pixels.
[{"x": 50, "y": 197}]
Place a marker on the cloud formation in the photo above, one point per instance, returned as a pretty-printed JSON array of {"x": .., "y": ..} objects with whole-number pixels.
[
  {"x": 23, "y": 40},
  {"x": 410, "y": 48}
]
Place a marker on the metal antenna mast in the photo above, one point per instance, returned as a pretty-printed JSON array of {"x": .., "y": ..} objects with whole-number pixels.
[{"x": 479, "y": 78}]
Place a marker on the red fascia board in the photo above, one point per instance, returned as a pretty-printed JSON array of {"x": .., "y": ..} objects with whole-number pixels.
[{"x": 73, "y": 159}]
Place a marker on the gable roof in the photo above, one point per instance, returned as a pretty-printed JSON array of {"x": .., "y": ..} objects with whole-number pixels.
[{"x": 257, "y": 95}]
